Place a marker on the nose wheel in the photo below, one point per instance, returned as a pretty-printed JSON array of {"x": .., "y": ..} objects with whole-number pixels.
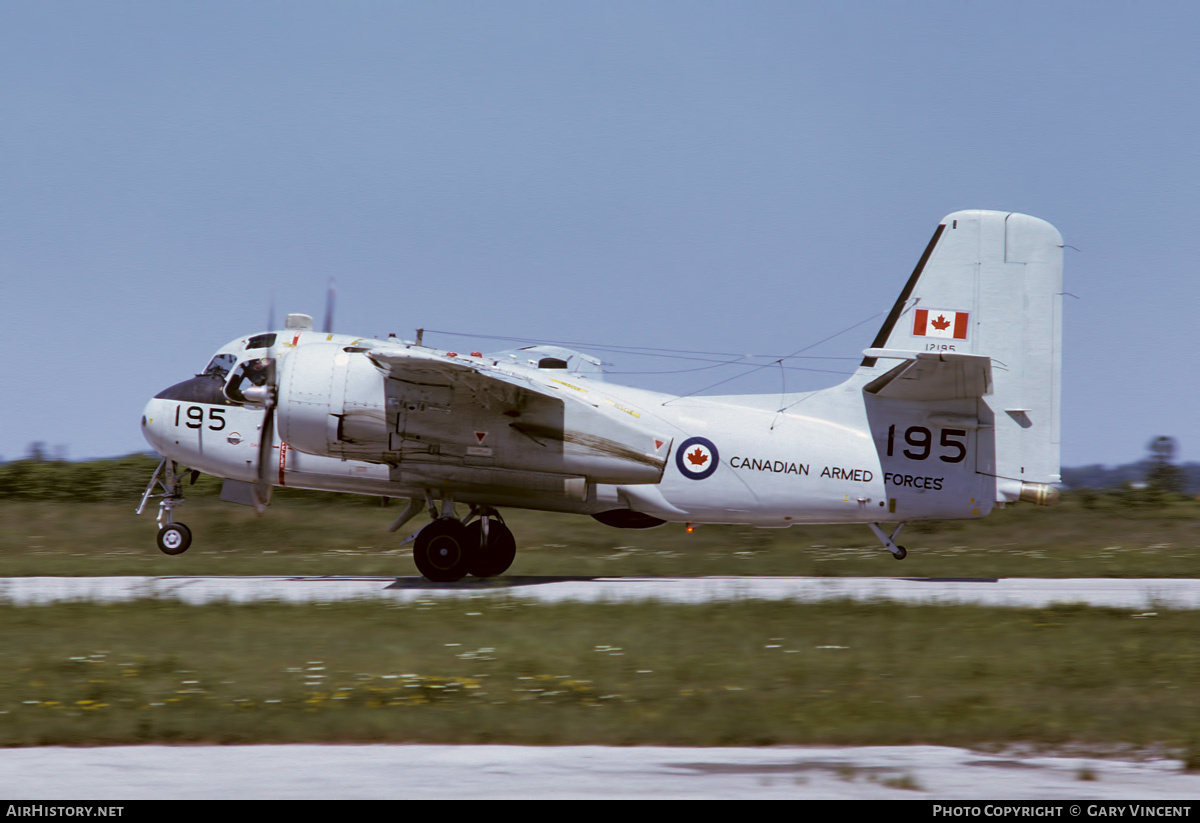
[{"x": 174, "y": 538}]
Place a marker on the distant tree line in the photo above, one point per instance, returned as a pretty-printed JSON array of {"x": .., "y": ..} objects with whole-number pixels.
[
  {"x": 1128, "y": 475},
  {"x": 95, "y": 481},
  {"x": 1157, "y": 473},
  {"x": 119, "y": 480}
]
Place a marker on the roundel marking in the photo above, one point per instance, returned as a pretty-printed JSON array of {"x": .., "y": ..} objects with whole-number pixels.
[{"x": 697, "y": 458}]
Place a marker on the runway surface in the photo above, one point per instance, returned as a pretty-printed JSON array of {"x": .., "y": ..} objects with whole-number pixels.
[
  {"x": 389, "y": 771},
  {"x": 1120, "y": 593},
  {"x": 473, "y": 772}
]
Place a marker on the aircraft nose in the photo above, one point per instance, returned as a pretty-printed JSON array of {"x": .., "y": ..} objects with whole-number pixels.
[{"x": 153, "y": 417}]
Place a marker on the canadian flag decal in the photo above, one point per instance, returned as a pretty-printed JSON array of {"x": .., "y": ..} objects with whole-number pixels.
[{"x": 940, "y": 323}]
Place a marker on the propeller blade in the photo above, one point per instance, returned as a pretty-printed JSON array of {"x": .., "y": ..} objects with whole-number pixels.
[
  {"x": 330, "y": 296},
  {"x": 262, "y": 487},
  {"x": 266, "y": 439}
]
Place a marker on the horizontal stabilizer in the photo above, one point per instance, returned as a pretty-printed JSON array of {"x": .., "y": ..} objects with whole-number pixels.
[{"x": 932, "y": 375}]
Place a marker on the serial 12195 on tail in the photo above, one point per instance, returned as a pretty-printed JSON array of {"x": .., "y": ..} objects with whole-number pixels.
[{"x": 953, "y": 409}]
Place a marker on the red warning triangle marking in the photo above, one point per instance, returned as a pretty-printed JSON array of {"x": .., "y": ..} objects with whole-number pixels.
[
  {"x": 480, "y": 435},
  {"x": 658, "y": 444}
]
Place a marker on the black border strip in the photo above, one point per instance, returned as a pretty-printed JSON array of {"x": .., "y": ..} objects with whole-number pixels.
[{"x": 886, "y": 331}]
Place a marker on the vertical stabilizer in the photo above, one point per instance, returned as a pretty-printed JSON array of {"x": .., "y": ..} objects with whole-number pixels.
[{"x": 989, "y": 283}]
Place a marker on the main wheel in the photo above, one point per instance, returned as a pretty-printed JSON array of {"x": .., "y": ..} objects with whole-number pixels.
[
  {"x": 497, "y": 554},
  {"x": 442, "y": 551},
  {"x": 901, "y": 553},
  {"x": 174, "y": 538}
]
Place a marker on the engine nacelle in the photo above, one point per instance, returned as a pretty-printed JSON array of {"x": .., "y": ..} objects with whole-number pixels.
[{"x": 332, "y": 403}]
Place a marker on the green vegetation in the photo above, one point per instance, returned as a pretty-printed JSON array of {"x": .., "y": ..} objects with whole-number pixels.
[
  {"x": 119, "y": 480},
  {"x": 1082, "y": 537},
  {"x": 60, "y": 518},
  {"x": 505, "y": 670}
]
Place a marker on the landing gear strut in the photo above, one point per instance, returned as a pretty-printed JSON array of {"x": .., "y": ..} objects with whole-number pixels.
[
  {"x": 889, "y": 540},
  {"x": 173, "y": 538}
]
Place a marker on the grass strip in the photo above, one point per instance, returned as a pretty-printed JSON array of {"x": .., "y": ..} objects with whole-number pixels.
[
  {"x": 511, "y": 671},
  {"x": 306, "y": 537}
]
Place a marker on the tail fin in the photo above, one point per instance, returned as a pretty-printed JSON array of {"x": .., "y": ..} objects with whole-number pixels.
[{"x": 986, "y": 296}]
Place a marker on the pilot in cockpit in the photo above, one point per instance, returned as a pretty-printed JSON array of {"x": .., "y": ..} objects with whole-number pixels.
[{"x": 249, "y": 373}]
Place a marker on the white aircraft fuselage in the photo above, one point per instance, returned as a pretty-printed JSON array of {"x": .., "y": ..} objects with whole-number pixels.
[{"x": 816, "y": 461}]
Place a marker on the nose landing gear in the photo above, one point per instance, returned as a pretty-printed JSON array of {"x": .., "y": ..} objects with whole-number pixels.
[{"x": 173, "y": 538}]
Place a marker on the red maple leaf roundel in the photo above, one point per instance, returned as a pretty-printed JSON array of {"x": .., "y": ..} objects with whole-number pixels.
[{"x": 697, "y": 458}]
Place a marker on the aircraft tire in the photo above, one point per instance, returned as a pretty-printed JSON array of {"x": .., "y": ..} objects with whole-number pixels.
[
  {"x": 494, "y": 558},
  {"x": 174, "y": 538},
  {"x": 901, "y": 553},
  {"x": 442, "y": 551}
]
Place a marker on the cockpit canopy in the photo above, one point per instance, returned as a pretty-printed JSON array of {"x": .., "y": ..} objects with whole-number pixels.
[
  {"x": 228, "y": 378},
  {"x": 219, "y": 366}
]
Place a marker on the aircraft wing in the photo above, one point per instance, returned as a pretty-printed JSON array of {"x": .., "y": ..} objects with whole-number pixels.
[
  {"x": 460, "y": 411},
  {"x": 424, "y": 367},
  {"x": 932, "y": 375}
]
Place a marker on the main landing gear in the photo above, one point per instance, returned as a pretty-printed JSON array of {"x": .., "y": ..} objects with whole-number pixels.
[
  {"x": 889, "y": 540},
  {"x": 448, "y": 549},
  {"x": 173, "y": 538}
]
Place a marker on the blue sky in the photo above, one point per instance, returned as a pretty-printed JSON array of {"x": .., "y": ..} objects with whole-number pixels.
[{"x": 735, "y": 177}]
